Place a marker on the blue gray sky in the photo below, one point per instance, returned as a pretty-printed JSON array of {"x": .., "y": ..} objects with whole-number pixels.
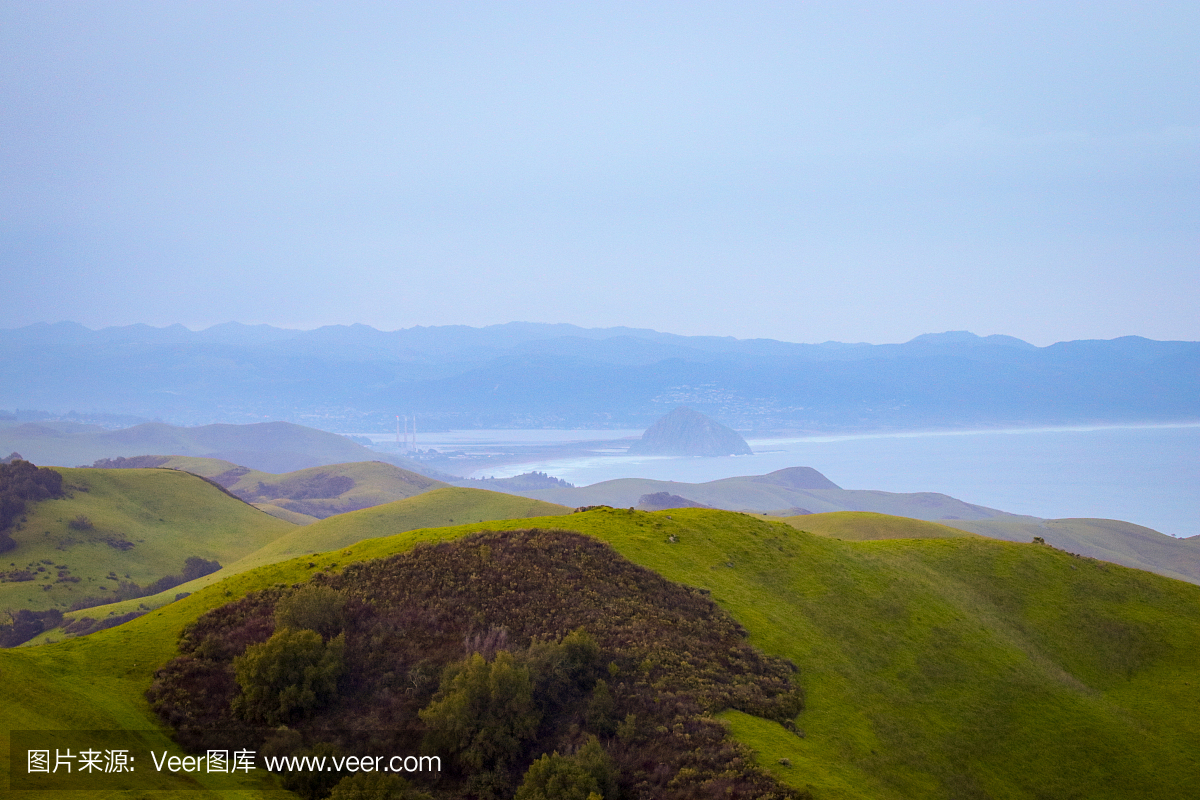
[{"x": 803, "y": 171}]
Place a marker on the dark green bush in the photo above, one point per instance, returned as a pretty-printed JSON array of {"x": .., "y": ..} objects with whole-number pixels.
[
  {"x": 314, "y": 608},
  {"x": 588, "y": 774},
  {"x": 483, "y": 712},
  {"x": 288, "y": 676}
]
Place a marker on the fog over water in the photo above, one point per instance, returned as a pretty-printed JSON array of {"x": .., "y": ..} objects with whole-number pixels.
[{"x": 1145, "y": 475}]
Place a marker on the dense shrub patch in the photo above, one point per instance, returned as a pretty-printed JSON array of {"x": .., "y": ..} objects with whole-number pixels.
[
  {"x": 21, "y": 483},
  {"x": 538, "y": 662},
  {"x": 193, "y": 567},
  {"x": 24, "y": 624}
]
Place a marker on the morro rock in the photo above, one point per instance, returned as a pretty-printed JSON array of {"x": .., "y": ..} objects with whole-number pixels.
[{"x": 685, "y": 432}]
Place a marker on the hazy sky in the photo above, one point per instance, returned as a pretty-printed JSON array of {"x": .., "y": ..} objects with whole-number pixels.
[{"x": 801, "y": 171}]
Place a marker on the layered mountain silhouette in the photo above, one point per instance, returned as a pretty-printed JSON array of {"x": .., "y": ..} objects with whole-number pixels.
[
  {"x": 535, "y": 375},
  {"x": 685, "y": 432}
]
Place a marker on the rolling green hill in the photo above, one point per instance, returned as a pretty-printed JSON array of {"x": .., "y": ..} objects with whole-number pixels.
[
  {"x": 940, "y": 667},
  {"x": 305, "y": 495},
  {"x": 139, "y": 525},
  {"x": 1106, "y": 539},
  {"x": 322, "y": 492},
  {"x": 287, "y": 515},
  {"x": 433, "y": 509},
  {"x": 440, "y": 507},
  {"x": 859, "y": 526},
  {"x": 805, "y": 488},
  {"x": 319, "y": 492}
]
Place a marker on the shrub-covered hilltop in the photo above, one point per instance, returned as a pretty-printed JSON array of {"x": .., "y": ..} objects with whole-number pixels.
[{"x": 536, "y": 662}]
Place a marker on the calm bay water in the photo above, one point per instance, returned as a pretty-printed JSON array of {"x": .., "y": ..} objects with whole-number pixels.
[{"x": 1146, "y": 475}]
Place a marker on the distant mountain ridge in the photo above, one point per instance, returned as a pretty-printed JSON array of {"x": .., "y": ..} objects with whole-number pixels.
[
  {"x": 532, "y": 375},
  {"x": 273, "y": 447},
  {"x": 802, "y": 487}
]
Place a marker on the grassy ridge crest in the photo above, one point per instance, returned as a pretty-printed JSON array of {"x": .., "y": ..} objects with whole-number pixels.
[{"x": 858, "y": 526}]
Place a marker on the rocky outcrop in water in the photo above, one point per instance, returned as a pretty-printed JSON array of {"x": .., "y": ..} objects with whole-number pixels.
[{"x": 685, "y": 432}]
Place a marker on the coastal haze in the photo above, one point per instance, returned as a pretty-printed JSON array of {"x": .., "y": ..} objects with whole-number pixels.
[{"x": 1110, "y": 431}]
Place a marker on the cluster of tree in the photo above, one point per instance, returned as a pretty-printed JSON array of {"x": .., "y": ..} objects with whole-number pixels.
[
  {"x": 314, "y": 486},
  {"x": 132, "y": 462},
  {"x": 21, "y": 483},
  {"x": 535, "y": 663},
  {"x": 85, "y": 625},
  {"x": 527, "y": 481},
  {"x": 193, "y": 567},
  {"x": 25, "y": 624}
]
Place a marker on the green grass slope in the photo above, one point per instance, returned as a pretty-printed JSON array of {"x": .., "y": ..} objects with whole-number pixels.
[
  {"x": 145, "y": 522},
  {"x": 859, "y": 526},
  {"x": 1106, "y": 539},
  {"x": 304, "y": 495},
  {"x": 213, "y": 468},
  {"x": 1110, "y": 540},
  {"x": 440, "y": 507},
  {"x": 287, "y": 515},
  {"x": 934, "y": 668},
  {"x": 434, "y": 509},
  {"x": 333, "y": 489}
]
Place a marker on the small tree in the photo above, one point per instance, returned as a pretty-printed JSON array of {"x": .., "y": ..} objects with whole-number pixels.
[
  {"x": 601, "y": 710},
  {"x": 197, "y": 567},
  {"x": 287, "y": 676},
  {"x": 587, "y": 775},
  {"x": 483, "y": 712},
  {"x": 564, "y": 670},
  {"x": 314, "y": 608}
]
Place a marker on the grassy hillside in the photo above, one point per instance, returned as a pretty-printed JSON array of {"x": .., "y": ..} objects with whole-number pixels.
[
  {"x": 141, "y": 525},
  {"x": 287, "y": 515},
  {"x": 333, "y": 489},
  {"x": 433, "y": 509},
  {"x": 304, "y": 495},
  {"x": 938, "y": 668},
  {"x": 858, "y": 526},
  {"x": 1106, "y": 539},
  {"x": 211, "y": 468},
  {"x": 440, "y": 507},
  {"x": 801, "y": 488}
]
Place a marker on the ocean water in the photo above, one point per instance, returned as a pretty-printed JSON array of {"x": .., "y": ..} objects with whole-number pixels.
[{"x": 1148, "y": 475}]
